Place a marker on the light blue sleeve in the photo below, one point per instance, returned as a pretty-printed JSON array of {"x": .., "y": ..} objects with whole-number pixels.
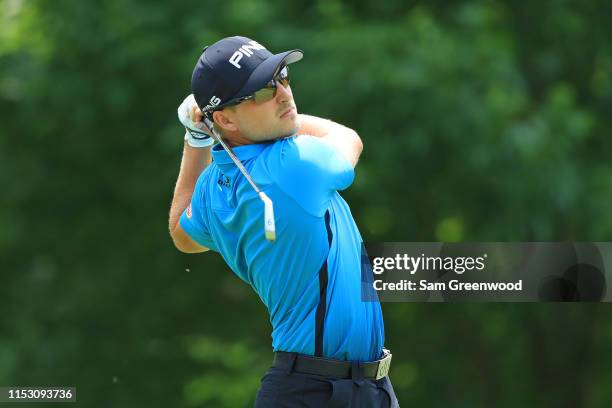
[
  {"x": 310, "y": 170},
  {"x": 194, "y": 220}
]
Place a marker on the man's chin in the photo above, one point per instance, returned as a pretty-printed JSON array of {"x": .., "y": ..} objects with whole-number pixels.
[
  {"x": 294, "y": 129},
  {"x": 289, "y": 131}
]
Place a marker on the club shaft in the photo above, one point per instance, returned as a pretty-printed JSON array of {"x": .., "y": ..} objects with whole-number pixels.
[{"x": 231, "y": 154}]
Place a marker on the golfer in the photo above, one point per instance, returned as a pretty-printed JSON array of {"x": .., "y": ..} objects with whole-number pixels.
[{"x": 306, "y": 264}]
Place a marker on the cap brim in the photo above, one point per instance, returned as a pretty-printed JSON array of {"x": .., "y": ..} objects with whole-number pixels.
[{"x": 266, "y": 70}]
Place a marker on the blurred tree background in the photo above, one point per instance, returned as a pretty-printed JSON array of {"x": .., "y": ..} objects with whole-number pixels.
[{"x": 482, "y": 120}]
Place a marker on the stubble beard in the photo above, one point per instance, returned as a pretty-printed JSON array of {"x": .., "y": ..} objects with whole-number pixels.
[{"x": 275, "y": 133}]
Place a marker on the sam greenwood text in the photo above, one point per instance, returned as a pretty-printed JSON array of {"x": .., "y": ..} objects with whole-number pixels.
[{"x": 453, "y": 285}]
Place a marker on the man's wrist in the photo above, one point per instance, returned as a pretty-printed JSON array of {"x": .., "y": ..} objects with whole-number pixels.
[
  {"x": 198, "y": 140},
  {"x": 196, "y": 148}
]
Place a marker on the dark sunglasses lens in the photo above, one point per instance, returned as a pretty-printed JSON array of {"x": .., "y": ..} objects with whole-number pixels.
[
  {"x": 283, "y": 81},
  {"x": 283, "y": 76},
  {"x": 269, "y": 92},
  {"x": 264, "y": 95}
]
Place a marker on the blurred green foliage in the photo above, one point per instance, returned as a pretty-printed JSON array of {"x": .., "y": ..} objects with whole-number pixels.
[{"x": 482, "y": 120}]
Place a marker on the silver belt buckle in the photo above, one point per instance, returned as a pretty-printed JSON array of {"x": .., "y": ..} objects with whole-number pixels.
[{"x": 383, "y": 365}]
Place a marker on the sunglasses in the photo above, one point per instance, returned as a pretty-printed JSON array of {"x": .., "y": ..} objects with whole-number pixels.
[{"x": 268, "y": 92}]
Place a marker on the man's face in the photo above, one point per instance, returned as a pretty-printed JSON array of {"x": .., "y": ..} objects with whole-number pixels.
[{"x": 274, "y": 119}]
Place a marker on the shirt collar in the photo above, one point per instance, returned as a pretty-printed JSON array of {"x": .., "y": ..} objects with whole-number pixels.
[{"x": 243, "y": 153}]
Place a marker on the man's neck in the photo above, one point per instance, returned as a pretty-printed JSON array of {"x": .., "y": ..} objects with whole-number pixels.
[{"x": 237, "y": 139}]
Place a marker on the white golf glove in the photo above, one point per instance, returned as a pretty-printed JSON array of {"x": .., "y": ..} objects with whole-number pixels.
[{"x": 196, "y": 134}]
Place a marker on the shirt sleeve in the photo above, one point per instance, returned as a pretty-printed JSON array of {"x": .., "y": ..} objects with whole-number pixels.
[
  {"x": 310, "y": 170},
  {"x": 194, "y": 219}
]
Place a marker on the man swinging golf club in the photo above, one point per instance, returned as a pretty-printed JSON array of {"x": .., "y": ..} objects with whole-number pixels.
[{"x": 269, "y": 204}]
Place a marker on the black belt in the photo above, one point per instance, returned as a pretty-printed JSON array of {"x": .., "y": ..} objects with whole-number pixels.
[{"x": 299, "y": 363}]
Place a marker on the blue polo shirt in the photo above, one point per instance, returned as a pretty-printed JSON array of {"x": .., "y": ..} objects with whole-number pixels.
[{"x": 310, "y": 278}]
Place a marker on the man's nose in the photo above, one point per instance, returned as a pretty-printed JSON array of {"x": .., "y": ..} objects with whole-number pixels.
[{"x": 283, "y": 94}]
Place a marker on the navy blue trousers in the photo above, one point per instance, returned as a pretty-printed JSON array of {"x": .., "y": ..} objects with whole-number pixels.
[{"x": 287, "y": 389}]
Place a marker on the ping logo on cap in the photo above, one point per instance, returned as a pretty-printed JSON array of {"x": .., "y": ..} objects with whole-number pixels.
[
  {"x": 214, "y": 101},
  {"x": 244, "y": 50}
]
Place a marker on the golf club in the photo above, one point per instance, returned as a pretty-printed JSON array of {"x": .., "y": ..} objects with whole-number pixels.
[{"x": 269, "y": 227}]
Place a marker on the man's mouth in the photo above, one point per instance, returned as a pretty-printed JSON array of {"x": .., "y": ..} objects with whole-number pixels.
[{"x": 287, "y": 111}]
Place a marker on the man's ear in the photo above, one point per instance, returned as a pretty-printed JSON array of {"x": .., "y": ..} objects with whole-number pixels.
[{"x": 224, "y": 120}]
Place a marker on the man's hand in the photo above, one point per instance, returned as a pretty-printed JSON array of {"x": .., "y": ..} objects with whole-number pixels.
[{"x": 190, "y": 116}]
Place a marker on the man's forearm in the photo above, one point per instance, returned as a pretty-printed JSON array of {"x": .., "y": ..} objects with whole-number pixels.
[
  {"x": 319, "y": 127},
  {"x": 194, "y": 161},
  {"x": 346, "y": 140}
]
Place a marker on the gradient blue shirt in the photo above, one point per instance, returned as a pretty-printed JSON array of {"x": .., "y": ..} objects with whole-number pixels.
[{"x": 302, "y": 176}]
